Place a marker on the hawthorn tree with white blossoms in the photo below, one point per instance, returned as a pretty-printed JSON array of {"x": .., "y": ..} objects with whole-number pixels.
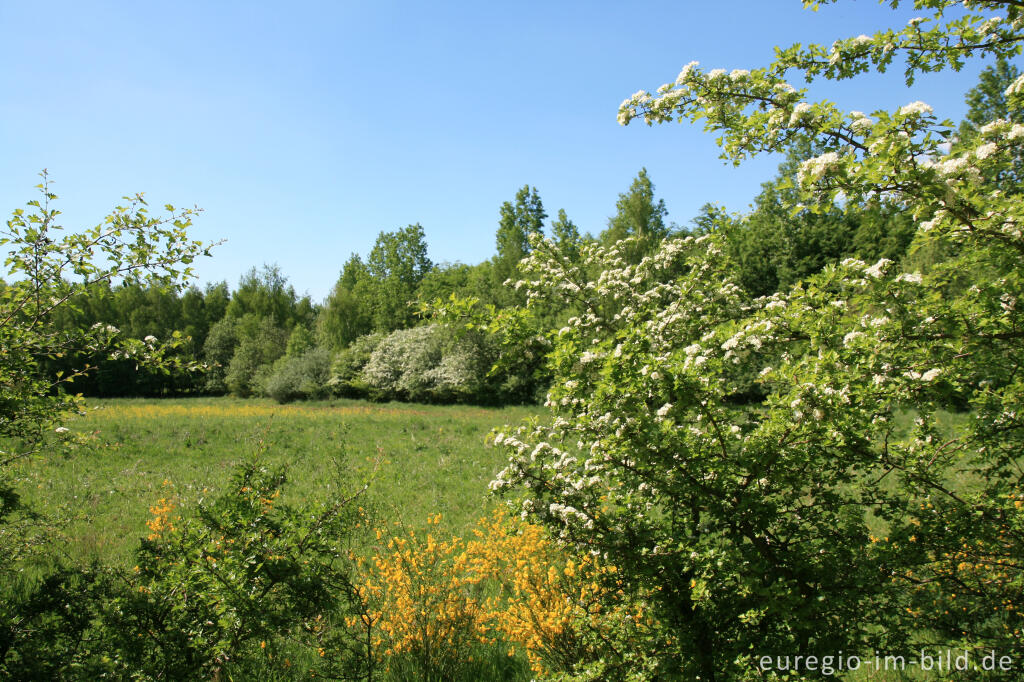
[{"x": 810, "y": 522}]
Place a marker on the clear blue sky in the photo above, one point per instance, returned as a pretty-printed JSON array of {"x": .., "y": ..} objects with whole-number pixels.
[{"x": 305, "y": 128}]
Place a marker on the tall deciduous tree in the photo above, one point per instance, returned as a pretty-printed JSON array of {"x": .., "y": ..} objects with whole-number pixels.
[
  {"x": 397, "y": 264},
  {"x": 348, "y": 312},
  {"x": 638, "y": 214},
  {"x": 566, "y": 235},
  {"x": 264, "y": 292},
  {"x": 50, "y": 271},
  {"x": 517, "y": 221},
  {"x": 988, "y": 100}
]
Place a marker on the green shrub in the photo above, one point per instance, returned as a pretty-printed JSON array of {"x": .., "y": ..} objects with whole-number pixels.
[
  {"x": 235, "y": 585},
  {"x": 299, "y": 377},
  {"x": 346, "y": 372},
  {"x": 48, "y": 626}
]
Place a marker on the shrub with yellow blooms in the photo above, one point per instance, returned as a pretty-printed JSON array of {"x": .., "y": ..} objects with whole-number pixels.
[{"x": 438, "y": 605}]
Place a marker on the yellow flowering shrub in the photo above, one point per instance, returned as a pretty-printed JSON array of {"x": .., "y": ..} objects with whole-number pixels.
[
  {"x": 509, "y": 586},
  {"x": 423, "y": 600},
  {"x": 548, "y": 602},
  {"x": 162, "y": 521}
]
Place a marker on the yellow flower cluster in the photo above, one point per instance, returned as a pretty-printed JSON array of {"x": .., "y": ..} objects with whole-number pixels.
[
  {"x": 510, "y": 583},
  {"x": 422, "y": 595},
  {"x": 162, "y": 520},
  {"x": 979, "y": 572},
  {"x": 545, "y": 597},
  {"x": 246, "y": 410}
]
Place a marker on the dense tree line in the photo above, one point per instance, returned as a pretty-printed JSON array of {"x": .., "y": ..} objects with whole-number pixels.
[
  {"x": 261, "y": 338},
  {"x": 370, "y": 338}
]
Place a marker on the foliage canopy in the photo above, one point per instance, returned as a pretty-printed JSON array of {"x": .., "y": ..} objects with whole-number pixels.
[{"x": 811, "y": 520}]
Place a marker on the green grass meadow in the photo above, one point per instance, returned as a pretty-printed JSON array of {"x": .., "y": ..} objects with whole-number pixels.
[{"x": 419, "y": 460}]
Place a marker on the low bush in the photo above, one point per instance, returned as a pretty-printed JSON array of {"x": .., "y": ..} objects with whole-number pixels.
[
  {"x": 229, "y": 588},
  {"x": 299, "y": 377},
  {"x": 506, "y": 604}
]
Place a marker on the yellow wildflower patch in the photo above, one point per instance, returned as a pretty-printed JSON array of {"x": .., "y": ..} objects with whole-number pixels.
[{"x": 511, "y": 583}]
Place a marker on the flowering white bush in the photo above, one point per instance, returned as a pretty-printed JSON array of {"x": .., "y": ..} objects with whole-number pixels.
[
  {"x": 347, "y": 368},
  {"x": 808, "y": 521},
  {"x": 398, "y": 365},
  {"x": 427, "y": 363}
]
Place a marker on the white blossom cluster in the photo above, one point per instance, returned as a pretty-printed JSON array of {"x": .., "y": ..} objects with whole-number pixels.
[
  {"x": 1016, "y": 87},
  {"x": 814, "y": 168},
  {"x": 916, "y": 109},
  {"x": 105, "y": 328}
]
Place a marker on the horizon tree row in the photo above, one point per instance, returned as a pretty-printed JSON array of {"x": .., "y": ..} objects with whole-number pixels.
[{"x": 261, "y": 338}]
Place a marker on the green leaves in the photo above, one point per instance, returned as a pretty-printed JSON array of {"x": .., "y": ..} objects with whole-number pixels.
[
  {"x": 52, "y": 271},
  {"x": 747, "y": 460},
  {"x": 232, "y": 581}
]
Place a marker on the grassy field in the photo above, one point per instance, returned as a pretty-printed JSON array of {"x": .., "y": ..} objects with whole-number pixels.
[{"x": 420, "y": 460}]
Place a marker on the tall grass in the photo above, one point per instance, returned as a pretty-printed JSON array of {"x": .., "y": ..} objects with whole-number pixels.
[{"x": 419, "y": 460}]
